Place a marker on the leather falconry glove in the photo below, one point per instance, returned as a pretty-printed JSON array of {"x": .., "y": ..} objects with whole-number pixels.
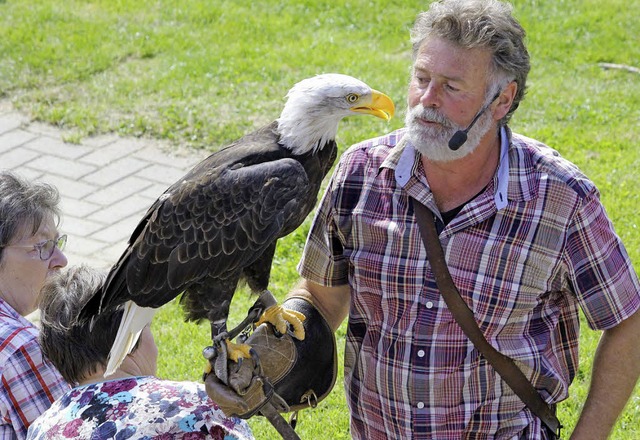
[{"x": 292, "y": 374}]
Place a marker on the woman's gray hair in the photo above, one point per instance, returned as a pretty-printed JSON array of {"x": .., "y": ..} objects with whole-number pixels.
[
  {"x": 24, "y": 205},
  {"x": 75, "y": 348},
  {"x": 480, "y": 24}
]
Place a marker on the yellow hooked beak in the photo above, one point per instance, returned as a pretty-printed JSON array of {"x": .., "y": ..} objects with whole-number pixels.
[{"x": 380, "y": 106}]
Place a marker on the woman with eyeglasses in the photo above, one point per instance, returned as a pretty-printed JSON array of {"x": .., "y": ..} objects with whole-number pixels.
[{"x": 30, "y": 251}]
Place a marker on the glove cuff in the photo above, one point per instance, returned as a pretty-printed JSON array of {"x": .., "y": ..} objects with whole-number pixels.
[{"x": 301, "y": 372}]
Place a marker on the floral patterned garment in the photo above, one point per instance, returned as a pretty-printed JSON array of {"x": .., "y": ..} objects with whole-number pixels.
[{"x": 140, "y": 408}]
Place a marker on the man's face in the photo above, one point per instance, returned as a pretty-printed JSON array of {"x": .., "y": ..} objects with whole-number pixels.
[{"x": 447, "y": 89}]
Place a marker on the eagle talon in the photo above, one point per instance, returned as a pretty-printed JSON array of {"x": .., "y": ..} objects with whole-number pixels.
[
  {"x": 237, "y": 351},
  {"x": 257, "y": 366},
  {"x": 232, "y": 350},
  {"x": 282, "y": 319}
]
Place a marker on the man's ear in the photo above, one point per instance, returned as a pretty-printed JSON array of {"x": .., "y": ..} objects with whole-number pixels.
[{"x": 503, "y": 102}]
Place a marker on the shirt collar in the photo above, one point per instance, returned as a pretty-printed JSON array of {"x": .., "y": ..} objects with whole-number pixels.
[
  {"x": 500, "y": 196},
  {"x": 9, "y": 312},
  {"x": 403, "y": 159}
]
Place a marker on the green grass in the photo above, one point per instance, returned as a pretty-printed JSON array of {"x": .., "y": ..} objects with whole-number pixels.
[{"x": 201, "y": 73}]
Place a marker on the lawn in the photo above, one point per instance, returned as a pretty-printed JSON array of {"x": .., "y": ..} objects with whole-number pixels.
[{"x": 201, "y": 73}]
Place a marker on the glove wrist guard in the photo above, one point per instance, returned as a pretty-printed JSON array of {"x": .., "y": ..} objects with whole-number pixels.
[{"x": 303, "y": 372}]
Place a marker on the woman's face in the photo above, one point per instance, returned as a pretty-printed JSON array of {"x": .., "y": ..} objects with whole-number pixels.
[{"x": 22, "y": 272}]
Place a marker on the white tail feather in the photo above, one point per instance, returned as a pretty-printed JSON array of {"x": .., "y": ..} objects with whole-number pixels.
[{"x": 134, "y": 319}]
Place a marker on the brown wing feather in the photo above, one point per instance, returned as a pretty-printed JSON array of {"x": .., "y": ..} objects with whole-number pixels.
[{"x": 211, "y": 226}]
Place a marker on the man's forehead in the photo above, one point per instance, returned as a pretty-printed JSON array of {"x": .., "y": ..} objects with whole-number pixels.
[{"x": 449, "y": 59}]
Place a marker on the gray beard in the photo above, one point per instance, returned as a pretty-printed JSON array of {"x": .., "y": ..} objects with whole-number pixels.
[{"x": 433, "y": 142}]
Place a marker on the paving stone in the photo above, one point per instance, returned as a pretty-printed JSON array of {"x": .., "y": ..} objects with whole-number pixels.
[
  {"x": 116, "y": 170},
  {"x": 6, "y": 106},
  {"x": 61, "y": 167},
  {"x": 14, "y": 138},
  {"x": 134, "y": 206},
  {"x": 29, "y": 173},
  {"x": 179, "y": 159},
  {"x": 71, "y": 188},
  {"x": 94, "y": 260},
  {"x": 56, "y": 147},
  {"x": 112, "y": 253},
  {"x": 155, "y": 190},
  {"x": 84, "y": 246},
  {"x": 16, "y": 157},
  {"x": 112, "y": 152},
  {"x": 106, "y": 182},
  {"x": 108, "y": 195},
  {"x": 162, "y": 173},
  {"x": 100, "y": 140},
  {"x": 45, "y": 129},
  {"x": 118, "y": 232},
  {"x": 80, "y": 227},
  {"x": 79, "y": 208},
  {"x": 12, "y": 120}
]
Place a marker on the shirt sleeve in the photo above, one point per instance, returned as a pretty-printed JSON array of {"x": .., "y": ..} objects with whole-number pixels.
[
  {"x": 323, "y": 260},
  {"x": 30, "y": 384},
  {"x": 601, "y": 272}
]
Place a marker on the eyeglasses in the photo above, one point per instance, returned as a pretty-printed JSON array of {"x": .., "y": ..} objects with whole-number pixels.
[{"x": 46, "y": 248}]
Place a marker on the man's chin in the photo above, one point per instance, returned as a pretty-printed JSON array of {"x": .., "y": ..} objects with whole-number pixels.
[{"x": 436, "y": 150}]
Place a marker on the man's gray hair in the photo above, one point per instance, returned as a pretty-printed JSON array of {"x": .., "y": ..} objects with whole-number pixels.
[
  {"x": 24, "y": 205},
  {"x": 480, "y": 24}
]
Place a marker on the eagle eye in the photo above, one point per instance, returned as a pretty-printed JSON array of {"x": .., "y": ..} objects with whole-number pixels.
[{"x": 352, "y": 97}]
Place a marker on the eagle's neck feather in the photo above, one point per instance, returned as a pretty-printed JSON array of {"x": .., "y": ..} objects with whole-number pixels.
[{"x": 306, "y": 132}]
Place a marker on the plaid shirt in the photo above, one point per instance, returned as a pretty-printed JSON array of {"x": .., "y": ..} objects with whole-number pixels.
[
  {"x": 29, "y": 382},
  {"x": 526, "y": 254}
]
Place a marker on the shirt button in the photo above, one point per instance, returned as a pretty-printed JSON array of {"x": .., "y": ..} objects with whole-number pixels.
[
  {"x": 420, "y": 405},
  {"x": 421, "y": 353},
  {"x": 429, "y": 304}
]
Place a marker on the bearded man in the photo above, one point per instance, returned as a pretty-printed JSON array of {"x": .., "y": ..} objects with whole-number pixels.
[{"x": 525, "y": 237}]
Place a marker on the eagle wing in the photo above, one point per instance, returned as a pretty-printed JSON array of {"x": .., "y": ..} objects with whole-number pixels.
[
  {"x": 213, "y": 223},
  {"x": 211, "y": 228}
]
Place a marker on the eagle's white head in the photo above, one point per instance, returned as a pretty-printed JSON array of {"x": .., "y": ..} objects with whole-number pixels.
[{"x": 316, "y": 105}]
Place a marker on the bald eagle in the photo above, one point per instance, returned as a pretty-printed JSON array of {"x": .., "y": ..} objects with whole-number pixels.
[{"x": 219, "y": 223}]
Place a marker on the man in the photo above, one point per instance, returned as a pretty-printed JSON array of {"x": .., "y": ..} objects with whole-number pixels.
[
  {"x": 526, "y": 240},
  {"x": 30, "y": 252}
]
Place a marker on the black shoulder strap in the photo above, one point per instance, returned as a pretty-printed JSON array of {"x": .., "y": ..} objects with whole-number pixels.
[{"x": 504, "y": 365}]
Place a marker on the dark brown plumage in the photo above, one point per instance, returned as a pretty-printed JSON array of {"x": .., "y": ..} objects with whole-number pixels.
[{"x": 221, "y": 221}]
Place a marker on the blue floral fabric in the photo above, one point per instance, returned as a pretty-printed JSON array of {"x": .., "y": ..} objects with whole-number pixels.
[{"x": 137, "y": 408}]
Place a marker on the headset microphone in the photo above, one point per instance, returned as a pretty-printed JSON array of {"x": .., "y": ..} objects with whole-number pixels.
[{"x": 460, "y": 136}]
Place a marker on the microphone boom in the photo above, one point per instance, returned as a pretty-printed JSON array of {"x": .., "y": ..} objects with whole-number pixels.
[{"x": 460, "y": 136}]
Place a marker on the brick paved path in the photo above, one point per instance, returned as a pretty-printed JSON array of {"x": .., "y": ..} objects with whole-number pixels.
[{"x": 106, "y": 183}]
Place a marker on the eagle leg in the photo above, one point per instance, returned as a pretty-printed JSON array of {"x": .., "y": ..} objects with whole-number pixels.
[
  {"x": 265, "y": 309},
  {"x": 219, "y": 332},
  {"x": 252, "y": 316},
  {"x": 223, "y": 344},
  {"x": 220, "y": 351}
]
